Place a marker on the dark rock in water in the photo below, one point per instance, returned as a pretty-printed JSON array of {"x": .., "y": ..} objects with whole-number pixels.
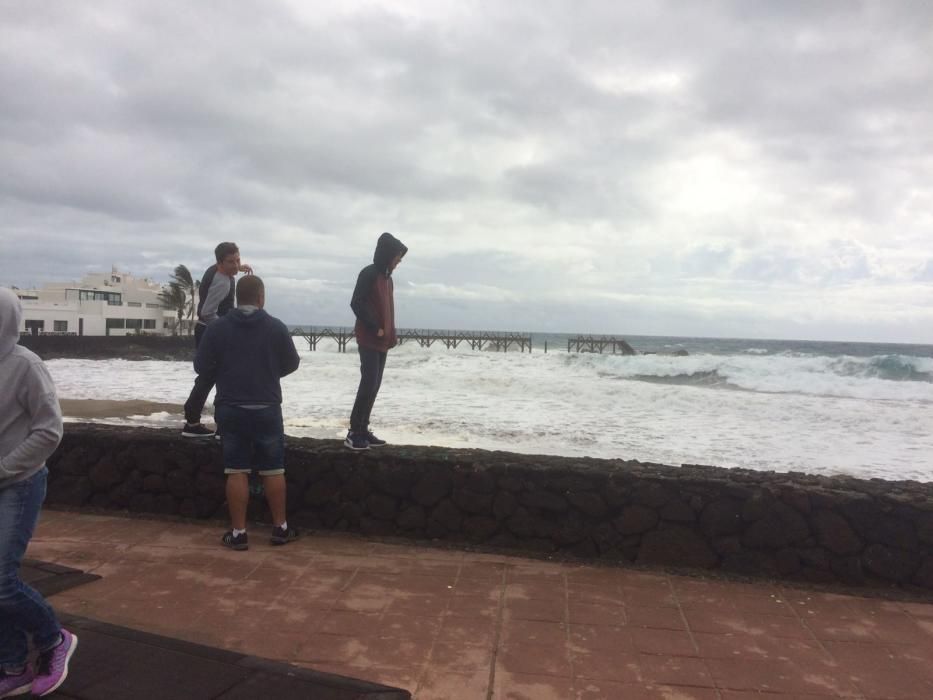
[{"x": 128, "y": 347}]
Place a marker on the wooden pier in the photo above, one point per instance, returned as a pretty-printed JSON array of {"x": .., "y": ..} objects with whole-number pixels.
[
  {"x": 478, "y": 340},
  {"x": 600, "y": 344}
]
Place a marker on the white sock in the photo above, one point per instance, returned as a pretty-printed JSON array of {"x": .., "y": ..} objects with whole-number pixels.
[
  {"x": 237, "y": 533},
  {"x": 284, "y": 525}
]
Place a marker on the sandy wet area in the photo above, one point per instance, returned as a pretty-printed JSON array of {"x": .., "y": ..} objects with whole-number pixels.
[{"x": 104, "y": 408}]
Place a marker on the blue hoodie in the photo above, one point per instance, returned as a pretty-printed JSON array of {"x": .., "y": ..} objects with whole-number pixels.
[{"x": 247, "y": 351}]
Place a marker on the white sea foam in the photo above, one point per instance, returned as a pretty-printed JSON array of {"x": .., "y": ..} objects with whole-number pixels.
[{"x": 864, "y": 416}]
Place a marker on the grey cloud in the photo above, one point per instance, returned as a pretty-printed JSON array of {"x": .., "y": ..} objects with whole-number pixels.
[{"x": 547, "y": 140}]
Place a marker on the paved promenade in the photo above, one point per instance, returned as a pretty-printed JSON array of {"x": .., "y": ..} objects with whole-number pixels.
[{"x": 450, "y": 624}]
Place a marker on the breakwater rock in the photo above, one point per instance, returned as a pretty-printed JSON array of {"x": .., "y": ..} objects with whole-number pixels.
[
  {"x": 97, "y": 347},
  {"x": 793, "y": 526}
]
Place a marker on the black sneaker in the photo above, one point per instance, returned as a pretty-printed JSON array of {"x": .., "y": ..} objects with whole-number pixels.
[
  {"x": 281, "y": 535},
  {"x": 198, "y": 430},
  {"x": 237, "y": 542},
  {"x": 356, "y": 442},
  {"x": 373, "y": 440}
]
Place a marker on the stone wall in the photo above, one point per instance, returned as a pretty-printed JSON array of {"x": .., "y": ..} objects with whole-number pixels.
[
  {"x": 98, "y": 347},
  {"x": 793, "y": 526}
]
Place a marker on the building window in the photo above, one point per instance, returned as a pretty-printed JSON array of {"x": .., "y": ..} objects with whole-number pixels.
[
  {"x": 60, "y": 326},
  {"x": 153, "y": 306},
  {"x": 115, "y": 323},
  {"x": 35, "y": 327},
  {"x": 112, "y": 298},
  {"x": 134, "y": 303},
  {"x": 149, "y": 323},
  {"x": 134, "y": 323}
]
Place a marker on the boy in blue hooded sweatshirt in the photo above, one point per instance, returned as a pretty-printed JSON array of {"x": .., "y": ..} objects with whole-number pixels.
[
  {"x": 248, "y": 351},
  {"x": 30, "y": 430}
]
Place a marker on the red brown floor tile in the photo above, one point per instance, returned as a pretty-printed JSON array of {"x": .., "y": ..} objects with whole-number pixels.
[{"x": 443, "y": 623}]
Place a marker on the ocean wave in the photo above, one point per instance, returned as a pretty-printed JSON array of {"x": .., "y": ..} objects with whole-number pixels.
[
  {"x": 896, "y": 368},
  {"x": 887, "y": 377},
  {"x": 707, "y": 379}
]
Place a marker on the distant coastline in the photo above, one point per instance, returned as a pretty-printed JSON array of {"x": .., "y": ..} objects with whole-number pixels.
[{"x": 181, "y": 348}]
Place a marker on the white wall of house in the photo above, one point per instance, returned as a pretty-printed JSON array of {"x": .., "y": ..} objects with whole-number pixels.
[{"x": 100, "y": 304}]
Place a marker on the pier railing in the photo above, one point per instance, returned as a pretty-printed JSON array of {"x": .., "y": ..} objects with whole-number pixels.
[
  {"x": 600, "y": 344},
  {"x": 477, "y": 340},
  {"x": 496, "y": 341}
]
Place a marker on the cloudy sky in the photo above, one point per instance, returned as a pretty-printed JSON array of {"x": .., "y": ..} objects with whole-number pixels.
[{"x": 753, "y": 169}]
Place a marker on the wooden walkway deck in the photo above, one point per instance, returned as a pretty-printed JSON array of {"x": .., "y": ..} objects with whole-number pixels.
[
  {"x": 600, "y": 344},
  {"x": 477, "y": 340},
  {"x": 496, "y": 341}
]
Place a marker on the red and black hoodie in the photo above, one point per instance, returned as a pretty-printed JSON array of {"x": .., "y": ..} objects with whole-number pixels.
[{"x": 373, "y": 301}]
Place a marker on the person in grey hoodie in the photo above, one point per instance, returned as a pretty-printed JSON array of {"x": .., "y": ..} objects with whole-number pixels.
[{"x": 30, "y": 430}]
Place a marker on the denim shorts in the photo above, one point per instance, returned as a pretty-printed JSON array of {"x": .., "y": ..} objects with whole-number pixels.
[{"x": 253, "y": 439}]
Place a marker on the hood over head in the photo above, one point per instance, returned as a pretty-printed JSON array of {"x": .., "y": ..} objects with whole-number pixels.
[
  {"x": 242, "y": 317},
  {"x": 387, "y": 247},
  {"x": 11, "y": 315}
]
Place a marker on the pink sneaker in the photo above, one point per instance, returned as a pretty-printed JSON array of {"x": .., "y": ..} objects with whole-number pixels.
[
  {"x": 11, "y": 686},
  {"x": 53, "y": 665}
]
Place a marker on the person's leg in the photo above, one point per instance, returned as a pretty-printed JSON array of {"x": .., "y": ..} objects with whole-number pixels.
[
  {"x": 238, "y": 498},
  {"x": 269, "y": 445},
  {"x": 366, "y": 393},
  {"x": 23, "y": 611},
  {"x": 236, "y": 459},
  {"x": 194, "y": 406},
  {"x": 274, "y": 486},
  {"x": 377, "y": 384}
]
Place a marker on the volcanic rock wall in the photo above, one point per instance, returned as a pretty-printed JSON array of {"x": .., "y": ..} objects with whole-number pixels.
[{"x": 794, "y": 526}]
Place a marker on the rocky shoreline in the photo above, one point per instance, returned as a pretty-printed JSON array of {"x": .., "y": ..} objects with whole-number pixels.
[{"x": 129, "y": 347}]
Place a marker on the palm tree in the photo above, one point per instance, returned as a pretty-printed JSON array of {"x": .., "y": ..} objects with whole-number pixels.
[
  {"x": 183, "y": 279},
  {"x": 175, "y": 299}
]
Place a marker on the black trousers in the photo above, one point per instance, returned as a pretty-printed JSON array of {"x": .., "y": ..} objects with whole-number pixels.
[
  {"x": 194, "y": 406},
  {"x": 372, "y": 364}
]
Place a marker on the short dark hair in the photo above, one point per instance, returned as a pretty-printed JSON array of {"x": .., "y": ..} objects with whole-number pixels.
[
  {"x": 224, "y": 249},
  {"x": 248, "y": 290}
]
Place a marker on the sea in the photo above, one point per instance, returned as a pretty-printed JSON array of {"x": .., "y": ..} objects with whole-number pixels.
[{"x": 861, "y": 409}]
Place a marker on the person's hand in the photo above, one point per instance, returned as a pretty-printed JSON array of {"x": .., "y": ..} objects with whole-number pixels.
[
  {"x": 380, "y": 333},
  {"x": 246, "y": 268}
]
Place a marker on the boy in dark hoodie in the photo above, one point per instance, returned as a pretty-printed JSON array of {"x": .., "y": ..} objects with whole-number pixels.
[
  {"x": 248, "y": 351},
  {"x": 374, "y": 306}
]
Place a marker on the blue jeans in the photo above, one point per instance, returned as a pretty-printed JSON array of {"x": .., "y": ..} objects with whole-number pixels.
[
  {"x": 23, "y": 612},
  {"x": 372, "y": 365}
]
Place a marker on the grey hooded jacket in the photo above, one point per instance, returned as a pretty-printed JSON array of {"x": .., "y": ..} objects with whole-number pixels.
[{"x": 30, "y": 416}]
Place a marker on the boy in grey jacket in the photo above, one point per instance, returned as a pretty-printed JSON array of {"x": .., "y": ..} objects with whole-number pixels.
[{"x": 30, "y": 430}]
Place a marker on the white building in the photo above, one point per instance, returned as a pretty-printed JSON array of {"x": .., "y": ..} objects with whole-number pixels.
[{"x": 100, "y": 304}]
